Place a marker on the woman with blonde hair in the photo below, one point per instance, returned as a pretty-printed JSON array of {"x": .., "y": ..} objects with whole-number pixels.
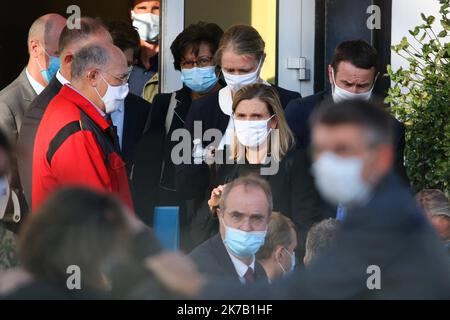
[
  {"x": 241, "y": 55},
  {"x": 263, "y": 145}
]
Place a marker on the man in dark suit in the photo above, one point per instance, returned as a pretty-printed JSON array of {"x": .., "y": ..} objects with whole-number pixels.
[
  {"x": 244, "y": 214},
  {"x": 71, "y": 40},
  {"x": 384, "y": 249},
  {"x": 352, "y": 74}
]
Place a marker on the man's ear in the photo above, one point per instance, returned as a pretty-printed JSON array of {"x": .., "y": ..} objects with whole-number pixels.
[
  {"x": 277, "y": 253},
  {"x": 68, "y": 58}
]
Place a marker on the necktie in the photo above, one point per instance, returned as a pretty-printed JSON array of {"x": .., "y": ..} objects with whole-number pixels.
[{"x": 249, "y": 276}]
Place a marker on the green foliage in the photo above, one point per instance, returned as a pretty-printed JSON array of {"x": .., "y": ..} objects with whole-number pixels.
[{"x": 420, "y": 98}]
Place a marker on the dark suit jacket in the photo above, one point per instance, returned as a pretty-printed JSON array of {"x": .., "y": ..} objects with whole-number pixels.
[
  {"x": 25, "y": 144},
  {"x": 293, "y": 191},
  {"x": 298, "y": 113},
  {"x": 389, "y": 232},
  {"x": 212, "y": 259},
  {"x": 14, "y": 102}
]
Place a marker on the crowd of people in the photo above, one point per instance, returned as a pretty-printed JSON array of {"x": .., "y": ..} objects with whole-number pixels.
[{"x": 300, "y": 194}]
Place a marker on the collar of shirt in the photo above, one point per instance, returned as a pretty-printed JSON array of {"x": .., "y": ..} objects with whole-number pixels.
[
  {"x": 37, "y": 87},
  {"x": 241, "y": 268},
  {"x": 61, "y": 78},
  {"x": 93, "y": 112}
]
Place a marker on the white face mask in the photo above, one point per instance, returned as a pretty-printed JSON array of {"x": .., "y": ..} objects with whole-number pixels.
[
  {"x": 114, "y": 96},
  {"x": 252, "y": 133},
  {"x": 147, "y": 25},
  {"x": 340, "y": 95},
  {"x": 237, "y": 81},
  {"x": 339, "y": 180}
]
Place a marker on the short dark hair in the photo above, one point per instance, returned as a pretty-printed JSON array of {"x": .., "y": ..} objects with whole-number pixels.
[
  {"x": 75, "y": 226},
  {"x": 358, "y": 52},
  {"x": 124, "y": 36},
  {"x": 193, "y": 36},
  {"x": 321, "y": 236},
  {"x": 88, "y": 26},
  {"x": 377, "y": 124}
]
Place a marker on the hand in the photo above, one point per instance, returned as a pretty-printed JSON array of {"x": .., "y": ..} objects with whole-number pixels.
[
  {"x": 177, "y": 272},
  {"x": 210, "y": 157},
  {"x": 214, "y": 201}
]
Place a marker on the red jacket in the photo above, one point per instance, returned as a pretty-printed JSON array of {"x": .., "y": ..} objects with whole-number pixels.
[{"x": 76, "y": 146}]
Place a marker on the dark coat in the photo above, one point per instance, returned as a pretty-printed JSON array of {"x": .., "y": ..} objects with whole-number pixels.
[
  {"x": 298, "y": 113},
  {"x": 293, "y": 192},
  {"x": 212, "y": 259}
]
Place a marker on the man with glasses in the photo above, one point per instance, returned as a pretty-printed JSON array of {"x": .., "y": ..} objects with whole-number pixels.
[
  {"x": 76, "y": 143},
  {"x": 244, "y": 214}
]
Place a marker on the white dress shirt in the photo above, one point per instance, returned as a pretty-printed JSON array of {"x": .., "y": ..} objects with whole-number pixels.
[
  {"x": 61, "y": 78},
  {"x": 37, "y": 87}
]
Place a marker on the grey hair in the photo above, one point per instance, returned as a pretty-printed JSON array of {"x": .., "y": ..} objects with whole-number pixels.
[
  {"x": 90, "y": 56},
  {"x": 320, "y": 236}
]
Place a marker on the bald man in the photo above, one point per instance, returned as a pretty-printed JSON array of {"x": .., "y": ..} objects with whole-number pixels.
[
  {"x": 76, "y": 143},
  {"x": 43, "y": 63}
]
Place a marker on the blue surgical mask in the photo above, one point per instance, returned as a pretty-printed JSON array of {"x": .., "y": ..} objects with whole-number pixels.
[
  {"x": 241, "y": 243},
  {"x": 199, "y": 79},
  {"x": 52, "y": 69}
]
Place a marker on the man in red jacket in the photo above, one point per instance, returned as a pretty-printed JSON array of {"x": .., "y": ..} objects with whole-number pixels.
[{"x": 76, "y": 143}]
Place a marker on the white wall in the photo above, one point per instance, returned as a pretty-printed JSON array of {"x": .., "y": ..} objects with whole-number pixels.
[{"x": 405, "y": 16}]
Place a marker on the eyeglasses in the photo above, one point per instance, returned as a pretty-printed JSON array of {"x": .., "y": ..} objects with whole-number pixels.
[
  {"x": 201, "y": 62},
  {"x": 122, "y": 78}
]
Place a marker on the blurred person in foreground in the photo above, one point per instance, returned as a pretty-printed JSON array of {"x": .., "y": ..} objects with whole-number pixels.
[
  {"x": 384, "y": 230},
  {"x": 86, "y": 230}
]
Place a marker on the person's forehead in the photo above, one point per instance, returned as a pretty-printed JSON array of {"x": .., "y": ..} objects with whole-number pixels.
[
  {"x": 252, "y": 105},
  {"x": 249, "y": 199},
  {"x": 204, "y": 49}
]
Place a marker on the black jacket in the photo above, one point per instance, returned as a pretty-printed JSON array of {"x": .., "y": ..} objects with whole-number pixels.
[
  {"x": 212, "y": 259},
  {"x": 389, "y": 232},
  {"x": 298, "y": 113},
  {"x": 293, "y": 192}
]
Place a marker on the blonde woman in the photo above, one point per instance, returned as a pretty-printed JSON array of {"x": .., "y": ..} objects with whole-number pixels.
[
  {"x": 241, "y": 56},
  {"x": 263, "y": 145}
]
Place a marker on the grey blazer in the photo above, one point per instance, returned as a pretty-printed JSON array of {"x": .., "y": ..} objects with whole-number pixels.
[{"x": 14, "y": 101}]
